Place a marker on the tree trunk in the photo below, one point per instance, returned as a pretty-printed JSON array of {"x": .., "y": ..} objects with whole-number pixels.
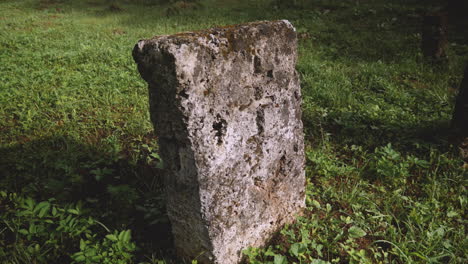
[
  {"x": 460, "y": 114},
  {"x": 457, "y": 8},
  {"x": 434, "y": 37}
]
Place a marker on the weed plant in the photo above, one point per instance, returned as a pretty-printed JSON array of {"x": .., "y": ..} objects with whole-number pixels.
[{"x": 79, "y": 163}]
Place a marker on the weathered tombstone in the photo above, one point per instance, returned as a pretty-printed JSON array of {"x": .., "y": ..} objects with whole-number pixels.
[
  {"x": 434, "y": 37},
  {"x": 225, "y": 103}
]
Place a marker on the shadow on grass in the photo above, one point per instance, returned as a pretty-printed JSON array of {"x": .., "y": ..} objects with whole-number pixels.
[
  {"x": 119, "y": 192},
  {"x": 418, "y": 138}
]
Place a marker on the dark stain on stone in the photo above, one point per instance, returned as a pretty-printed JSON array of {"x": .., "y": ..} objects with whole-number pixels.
[
  {"x": 257, "y": 181},
  {"x": 281, "y": 166},
  {"x": 258, "y": 93},
  {"x": 257, "y": 65},
  {"x": 183, "y": 94},
  {"x": 219, "y": 126},
  {"x": 296, "y": 95},
  {"x": 260, "y": 120},
  {"x": 270, "y": 74},
  {"x": 243, "y": 54},
  {"x": 238, "y": 44},
  {"x": 247, "y": 158}
]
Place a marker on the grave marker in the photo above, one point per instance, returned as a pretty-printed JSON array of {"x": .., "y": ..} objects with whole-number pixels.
[{"x": 226, "y": 106}]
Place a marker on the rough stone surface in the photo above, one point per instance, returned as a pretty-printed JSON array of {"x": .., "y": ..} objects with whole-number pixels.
[{"x": 225, "y": 103}]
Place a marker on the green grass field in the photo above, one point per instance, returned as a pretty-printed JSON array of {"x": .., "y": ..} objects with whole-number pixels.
[{"x": 79, "y": 165}]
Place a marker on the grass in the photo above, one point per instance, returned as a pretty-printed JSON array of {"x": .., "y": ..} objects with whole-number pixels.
[{"x": 385, "y": 183}]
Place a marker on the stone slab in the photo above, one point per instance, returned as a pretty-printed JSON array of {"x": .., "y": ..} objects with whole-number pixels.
[{"x": 226, "y": 106}]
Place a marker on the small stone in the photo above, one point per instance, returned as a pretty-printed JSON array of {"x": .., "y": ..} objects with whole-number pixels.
[{"x": 226, "y": 106}]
